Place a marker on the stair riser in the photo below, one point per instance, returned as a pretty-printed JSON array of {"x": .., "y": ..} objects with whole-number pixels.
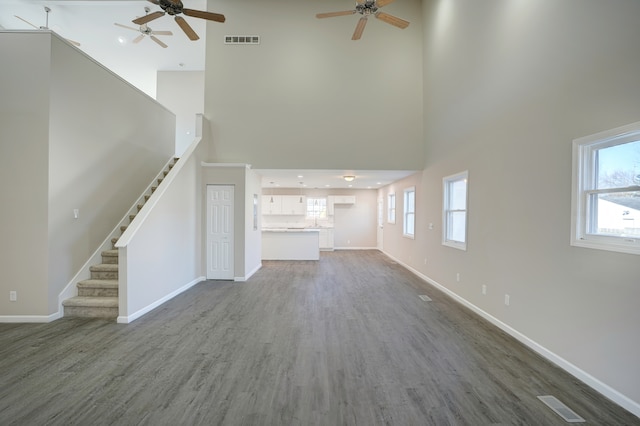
[
  {"x": 98, "y": 292},
  {"x": 89, "y": 312},
  {"x": 104, "y": 275},
  {"x": 111, "y": 260}
]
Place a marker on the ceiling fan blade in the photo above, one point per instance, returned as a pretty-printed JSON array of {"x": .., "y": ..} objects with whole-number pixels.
[
  {"x": 383, "y": 3},
  {"x": 162, "y": 33},
  {"x": 127, "y": 27},
  {"x": 187, "y": 28},
  {"x": 148, "y": 18},
  {"x": 393, "y": 20},
  {"x": 204, "y": 15},
  {"x": 158, "y": 41},
  {"x": 138, "y": 39},
  {"x": 359, "y": 28},
  {"x": 24, "y": 20},
  {"x": 332, "y": 14}
]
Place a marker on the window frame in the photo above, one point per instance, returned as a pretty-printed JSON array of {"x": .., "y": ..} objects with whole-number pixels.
[
  {"x": 406, "y": 213},
  {"x": 447, "y": 181},
  {"x": 317, "y": 213},
  {"x": 391, "y": 208},
  {"x": 584, "y": 186}
]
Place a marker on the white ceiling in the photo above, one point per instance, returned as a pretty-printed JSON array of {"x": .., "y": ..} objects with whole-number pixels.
[{"x": 91, "y": 23}]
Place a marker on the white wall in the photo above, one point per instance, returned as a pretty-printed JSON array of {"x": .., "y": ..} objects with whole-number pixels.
[
  {"x": 508, "y": 86},
  {"x": 310, "y": 97},
  {"x": 24, "y": 157},
  {"x": 182, "y": 92},
  {"x": 102, "y": 142},
  {"x": 160, "y": 257},
  {"x": 253, "y": 237}
]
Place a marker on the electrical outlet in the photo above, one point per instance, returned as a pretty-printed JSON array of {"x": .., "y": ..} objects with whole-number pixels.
[
  {"x": 76, "y": 213},
  {"x": 484, "y": 289},
  {"x": 425, "y": 260},
  {"x": 458, "y": 277},
  {"x": 431, "y": 227},
  {"x": 507, "y": 299},
  {"x": 13, "y": 296}
]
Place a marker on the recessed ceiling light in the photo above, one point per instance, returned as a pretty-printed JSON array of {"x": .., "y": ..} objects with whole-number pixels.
[
  {"x": 122, "y": 40},
  {"x": 300, "y": 176},
  {"x": 349, "y": 178},
  {"x": 327, "y": 185}
]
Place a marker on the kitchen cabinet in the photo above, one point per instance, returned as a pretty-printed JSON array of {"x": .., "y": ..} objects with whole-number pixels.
[
  {"x": 284, "y": 205},
  {"x": 271, "y": 204},
  {"x": 338, "y": 199},
  {"x": 326, "y": 239},
  {"x": 294, "y": 205}
]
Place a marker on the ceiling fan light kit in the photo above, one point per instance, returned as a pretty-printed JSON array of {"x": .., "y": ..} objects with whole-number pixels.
[{"x": 368, "y": 8}]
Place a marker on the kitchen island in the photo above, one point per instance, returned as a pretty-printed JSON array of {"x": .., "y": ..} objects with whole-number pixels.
[{"x": 290, "y": 244}]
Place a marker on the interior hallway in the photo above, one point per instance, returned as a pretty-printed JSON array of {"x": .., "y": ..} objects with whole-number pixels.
[{"x": 345, "y": 340}]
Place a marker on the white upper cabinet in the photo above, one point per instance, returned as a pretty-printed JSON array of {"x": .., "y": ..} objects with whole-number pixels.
[
  {"x": 284, "y": 205},
  {"x": 294, "y": 204},
  {"x": 339, "y": 199}
]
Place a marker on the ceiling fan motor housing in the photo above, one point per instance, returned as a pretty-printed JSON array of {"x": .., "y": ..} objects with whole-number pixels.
[
  {"x": 369, "y": 7},
  {"x": 172, "y": 7}
]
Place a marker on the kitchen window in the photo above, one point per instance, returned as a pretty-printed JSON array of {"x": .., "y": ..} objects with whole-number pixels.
[
  {"x": 391, "y": 208},
  {"x": 316, "y": 208},
  {"x": 408, "y": 227},
  {"x": 454, "y": 214},
  {"x": 606, "y": 190}
]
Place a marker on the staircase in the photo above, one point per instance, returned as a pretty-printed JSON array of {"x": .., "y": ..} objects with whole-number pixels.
[{"x": 98, "y": 296}]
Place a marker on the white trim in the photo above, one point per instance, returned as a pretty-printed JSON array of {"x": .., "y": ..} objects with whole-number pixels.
[
  {"x": 405, "y": 192},
  {"x": 446, "y": 181},
  {"x": 599, "y": 386},
  {"x": 30, "y": 318},
  {"x": 249, "y": 275},
  {"x": 353, "y": 248},
  {"x": 230, "y": 165},
  {"x": 126, "y": 319},
  {"x": 581, "y": 183}
]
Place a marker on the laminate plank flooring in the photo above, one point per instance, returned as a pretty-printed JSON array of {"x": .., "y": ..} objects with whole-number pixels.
[{"x": 340, "y": 341}]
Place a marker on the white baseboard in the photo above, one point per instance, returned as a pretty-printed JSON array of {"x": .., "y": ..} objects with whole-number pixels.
[
  {"x": 250, "y": 274},
  {"x": 599, "y": 386},
  {"x": 355, "y": 248},
  {"x": 30, "y": 318},
  {"x": 126, "y": 319}
]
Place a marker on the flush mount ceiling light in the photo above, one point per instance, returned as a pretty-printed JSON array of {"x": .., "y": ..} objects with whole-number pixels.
[{"x": 349, "y": 178}]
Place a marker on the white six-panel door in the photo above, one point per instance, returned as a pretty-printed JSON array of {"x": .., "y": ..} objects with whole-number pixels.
[{"x": 220, "y": 232}]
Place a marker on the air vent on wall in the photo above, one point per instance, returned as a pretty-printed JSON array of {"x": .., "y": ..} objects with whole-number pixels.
[{"x": 241, "y": 39}]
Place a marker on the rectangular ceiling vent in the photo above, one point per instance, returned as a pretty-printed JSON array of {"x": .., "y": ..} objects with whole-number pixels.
[
  {"x": 424, "y": 298},
  {"x": 241, "y": 39},
  {"x": 562, "y": 410}
]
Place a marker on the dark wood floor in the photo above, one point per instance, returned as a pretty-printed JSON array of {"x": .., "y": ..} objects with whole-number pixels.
[{"x": 344, "y": 340}]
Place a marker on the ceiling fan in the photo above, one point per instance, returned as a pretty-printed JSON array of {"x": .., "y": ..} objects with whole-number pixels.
[
  {"x": 145, "y": 30},
  {"x": 368, "y": 8},
  {"x": 175, "y": 7},
  {"x": 46, "y": 25}
]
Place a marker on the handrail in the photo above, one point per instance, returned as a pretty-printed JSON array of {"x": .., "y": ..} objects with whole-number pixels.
[{"x": 140, "y": 218}]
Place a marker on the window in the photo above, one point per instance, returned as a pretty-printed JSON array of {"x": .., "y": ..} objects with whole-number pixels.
[
  {"x": 408, "y": 226},
  {"x": 454, "y": 215},
  {"x": 316, "y": 208},
  {"x": 606, "y": 190},
  {"x": 391, "y": 205}
]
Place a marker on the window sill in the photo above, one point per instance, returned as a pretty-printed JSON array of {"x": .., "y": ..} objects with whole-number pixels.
[{"x": 616, "y": 246}]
